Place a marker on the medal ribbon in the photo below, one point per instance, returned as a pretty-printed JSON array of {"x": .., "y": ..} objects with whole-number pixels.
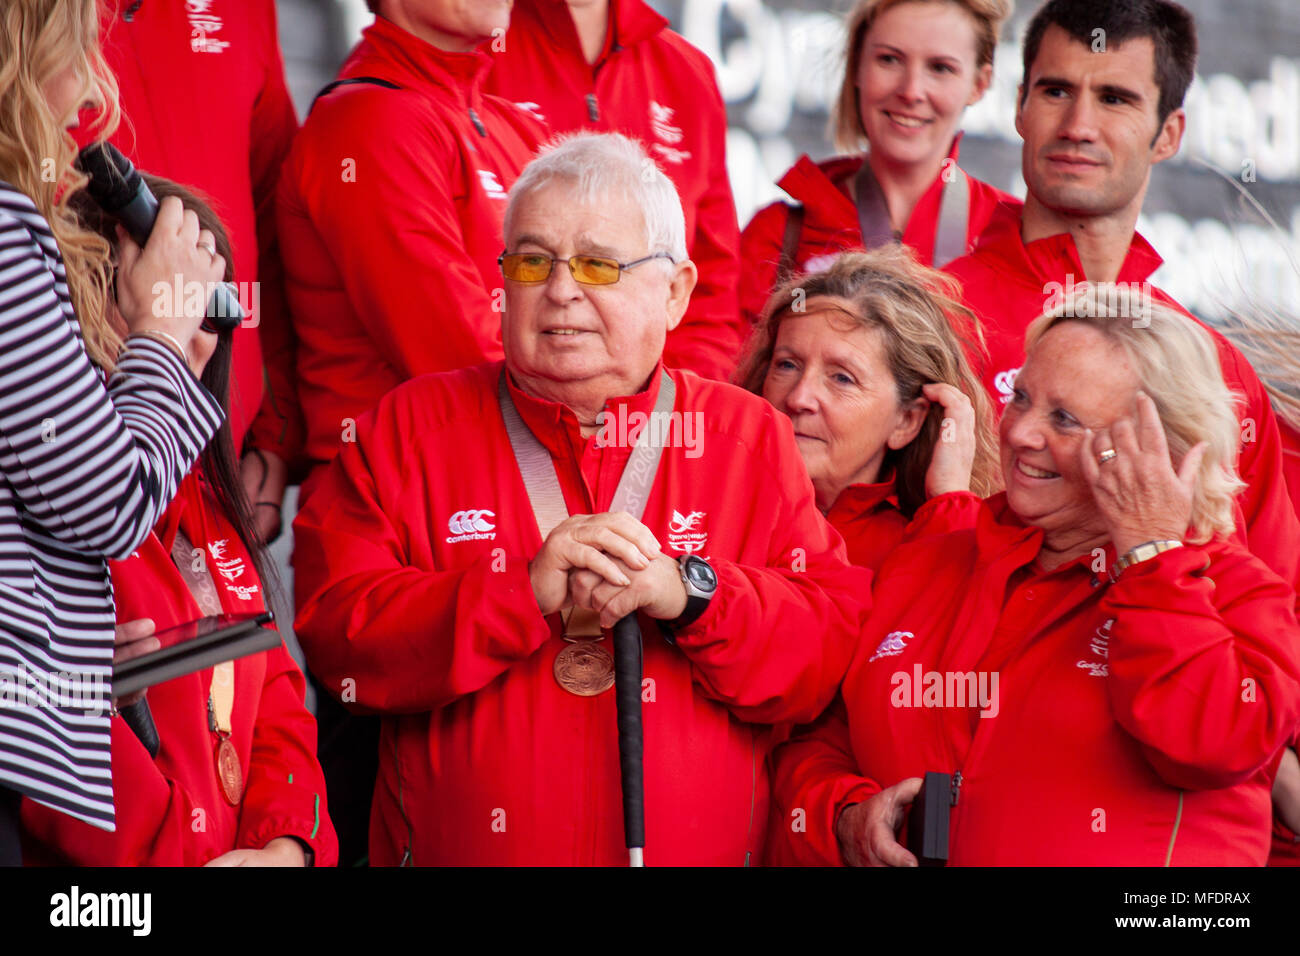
[
  {"x": 543, "y": 483},
  {"x": 954, "y": 215}
]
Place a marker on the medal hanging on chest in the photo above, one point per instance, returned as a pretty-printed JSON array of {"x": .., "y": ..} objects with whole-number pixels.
[
  {"x": 584, "y": 668},
  {"x": 221, "y": 702}
]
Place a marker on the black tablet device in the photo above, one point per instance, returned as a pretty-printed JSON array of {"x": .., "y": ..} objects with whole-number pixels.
[{"x": 193, "y": 646}]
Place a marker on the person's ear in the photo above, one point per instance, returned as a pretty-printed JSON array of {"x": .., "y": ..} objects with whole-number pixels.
[
  {"x": 1170, "y": 136},
  {"x": 983, "y": 80},
  {"x": 910, "y": 419},
  {"x": 1020, "y": 107},
  {"x": 680, "y": 285}
]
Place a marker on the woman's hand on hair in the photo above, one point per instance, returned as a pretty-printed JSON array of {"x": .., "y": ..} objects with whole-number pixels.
[
  {"x": 154, "y": 283},
  {"x": 868, "y": 832},
  {"x": 1138, "y": 493},
  {"x": 953, "y": 457}
]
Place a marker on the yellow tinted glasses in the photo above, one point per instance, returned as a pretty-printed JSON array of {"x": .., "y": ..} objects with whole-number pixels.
[{"x": 589, "y": 270}]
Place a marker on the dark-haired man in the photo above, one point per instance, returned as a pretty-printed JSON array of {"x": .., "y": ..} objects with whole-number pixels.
[{"x": 1100, "y": 104}]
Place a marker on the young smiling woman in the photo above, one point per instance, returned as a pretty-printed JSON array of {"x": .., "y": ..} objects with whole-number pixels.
[{"x": 912, "y": 67}]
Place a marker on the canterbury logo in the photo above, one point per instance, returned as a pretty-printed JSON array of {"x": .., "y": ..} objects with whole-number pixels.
[
  {"x": 894, "y": 644},
  {"x": 468, "y": 522}
]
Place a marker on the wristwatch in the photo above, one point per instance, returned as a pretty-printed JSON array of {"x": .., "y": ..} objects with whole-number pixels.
[
  {"x": 1143, "y": 552},
  {"x": 701, "y": 584}
]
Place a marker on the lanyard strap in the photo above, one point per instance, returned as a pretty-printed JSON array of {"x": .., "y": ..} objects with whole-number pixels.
[
  {"x": 538, "y": 470},
  {"x": 954, "y": 214},
  {"x": 221, "y": 693}
]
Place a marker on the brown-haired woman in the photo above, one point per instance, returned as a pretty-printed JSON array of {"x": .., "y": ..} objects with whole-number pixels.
[
  {"x": 911, "y": 69},
  {"x": 89, "y": 463},
  {"x": 886, "y": 410}
]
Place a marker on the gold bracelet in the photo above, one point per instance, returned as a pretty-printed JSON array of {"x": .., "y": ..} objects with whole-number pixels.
[{"x": 167, "y": 337}]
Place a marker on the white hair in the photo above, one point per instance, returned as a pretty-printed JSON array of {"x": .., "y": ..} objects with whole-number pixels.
[{"x": 602, "y": 165}]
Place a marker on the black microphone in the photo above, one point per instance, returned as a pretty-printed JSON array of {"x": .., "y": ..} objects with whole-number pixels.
[{"x": 117, "y": 187}]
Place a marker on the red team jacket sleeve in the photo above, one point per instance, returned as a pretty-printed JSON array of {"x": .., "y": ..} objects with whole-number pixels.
[
  {"x": 400, "y": 252},
  {"x": 285, "y": 787},
  {"x": 1203, "y": 664},
  {"x": 776, "y": 640},
  {"x": 954, "y": 511},
  {"x": 709, "y": 339},
  {"x": 1272, "y": 528},
  {"x": 278, "y": 426},
  {"x": 409, "y": 639},
  {"x": 814, "y": 772}
]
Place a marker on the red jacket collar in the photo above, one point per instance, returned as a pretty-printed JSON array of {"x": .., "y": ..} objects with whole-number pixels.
[
  {"x": 862, "y": 499},
  {"x": 1048, "y": 259},
  {"x": 389, "y": 52},
  {"x": 556, "y": 427},
  {"x": 1001, "y": 536},
  {"x": 632, "y": 21},
  {"x": 824, "y": 185}
]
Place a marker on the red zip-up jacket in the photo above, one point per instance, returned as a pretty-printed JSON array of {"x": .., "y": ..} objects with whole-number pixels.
[
  {"x": 1007, "y": 283},
  {"x": 171, "y": 810},
  {"x": 1133, "y": 723},
  {"x": 830, "y": 224},
  {"x": 204, "y": 103},
  {"x": 650, "y": 84},
  {"x": 484, "y": 759},
  {"x": 390, "y": 212}
]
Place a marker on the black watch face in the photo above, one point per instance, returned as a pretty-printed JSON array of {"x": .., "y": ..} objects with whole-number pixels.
[{"x": 701, "y": 575}]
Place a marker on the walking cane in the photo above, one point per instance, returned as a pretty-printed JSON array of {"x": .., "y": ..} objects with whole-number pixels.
[{"x": 627, "y": 694}]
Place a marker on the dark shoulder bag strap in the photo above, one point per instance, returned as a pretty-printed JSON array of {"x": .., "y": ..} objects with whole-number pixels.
[
  {"x": 787, "y": 267},
  {"x": 350, "y": 81}
]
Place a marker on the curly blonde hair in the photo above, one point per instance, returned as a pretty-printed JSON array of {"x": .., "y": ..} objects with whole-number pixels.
[
  {"x": 38, "y": 40},
  {"x": 846, "y": 115},
  {"x": 1177, "y": 364},
  {"x": 918, "y": 313}
]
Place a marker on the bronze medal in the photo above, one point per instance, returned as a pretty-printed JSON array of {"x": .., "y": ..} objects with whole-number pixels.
[
  {"x": 229, "y": 773},
  {"x": 585, "y": 669}
]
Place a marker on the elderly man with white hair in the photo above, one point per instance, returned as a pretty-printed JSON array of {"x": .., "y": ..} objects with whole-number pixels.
[{"x": 461, "y": 564}]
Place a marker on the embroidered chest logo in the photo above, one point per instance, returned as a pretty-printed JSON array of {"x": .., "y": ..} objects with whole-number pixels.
[
  {"x": 688, "y": 533},
  {"x": 229, "y": 570},
  {"x": 471, "y": 525},
  {"x": 1005, "y": 383},
  {"x": 491, "y": 185},
  {"x": 204, "y": 22},
  {"x": 895, "y": 643},
  {"x": 1099, "y": 646},
  {"x": 669, "y": 136}
]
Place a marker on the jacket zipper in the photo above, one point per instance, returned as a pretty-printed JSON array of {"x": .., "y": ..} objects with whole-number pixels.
[
  {"x": 478, "y": 123},
  {"x": 593, "y": 108},
  {"x": 129, "y": 13},
  {"x": 956, "y": 788}
]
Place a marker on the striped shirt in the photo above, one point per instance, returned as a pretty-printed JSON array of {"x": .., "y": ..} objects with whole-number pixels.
[{"x": 87, "y": 468}]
